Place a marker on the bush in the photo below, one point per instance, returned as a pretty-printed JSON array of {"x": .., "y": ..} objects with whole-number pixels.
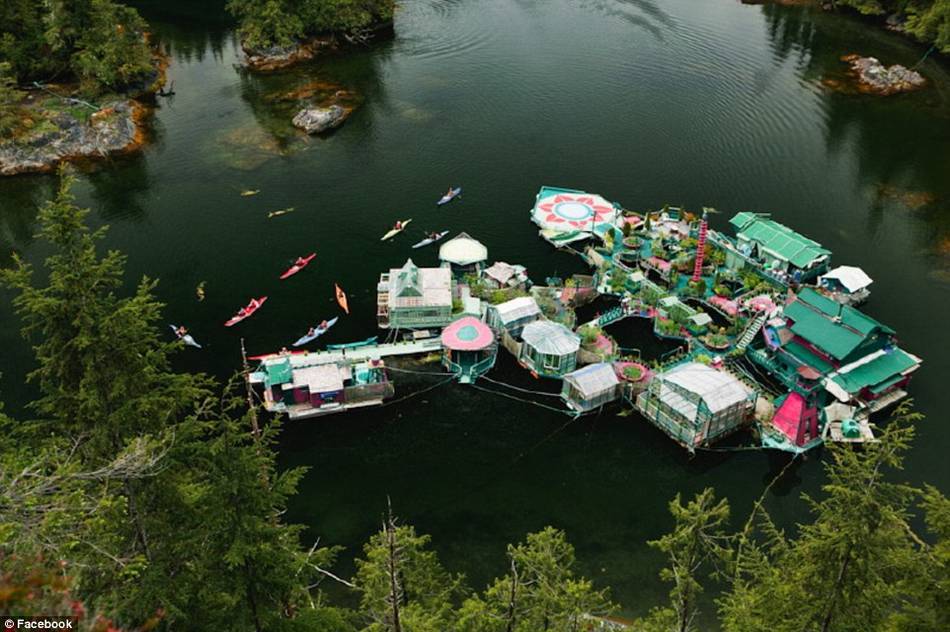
[
  {"x": 723, "y": 291},
  {"x": 589, "y": 334},
  {"x": 9, "y": 101},
  {"x": 633, "y": 372},
  {"x": 113, "y": 50},
  {"x": 100, "y": 42}
]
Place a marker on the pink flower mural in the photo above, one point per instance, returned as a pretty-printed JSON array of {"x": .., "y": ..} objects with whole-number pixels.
[{"x": 573, "y": 211}]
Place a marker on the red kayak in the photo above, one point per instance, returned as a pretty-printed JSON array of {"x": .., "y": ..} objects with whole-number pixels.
[
  {"x": 300, "y": 264},
  {"x": 246, "y": 312}
]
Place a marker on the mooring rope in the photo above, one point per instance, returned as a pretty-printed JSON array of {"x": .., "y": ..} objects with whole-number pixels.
[
  {"x": 414, "y": 372},
  {"x": 67, "y": 99},
  {"x": 926, "y": 55},
  {"x": 518, "y": 388},
  {"x": 527, "y": 401},
  {"x": 411, "y": 395}
]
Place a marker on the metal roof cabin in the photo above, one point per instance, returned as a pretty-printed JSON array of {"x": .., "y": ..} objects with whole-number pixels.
[
  {"x": 513, "y": 315},
  {"x": 591, "y": 387},
  {"x": 781, "y": 250},
  {"x": 696, "y": 404},
  {"x": 548, "y": 348}
]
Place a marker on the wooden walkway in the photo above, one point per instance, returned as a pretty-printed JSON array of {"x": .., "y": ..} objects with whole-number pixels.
[{"x": 369, "y": 352}]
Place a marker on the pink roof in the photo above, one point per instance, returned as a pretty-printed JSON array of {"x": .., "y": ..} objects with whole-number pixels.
[
  {"x": 467, "y": 334},
  {"x": 662, "y": 264},
  {"x": 789, "y": 415}
]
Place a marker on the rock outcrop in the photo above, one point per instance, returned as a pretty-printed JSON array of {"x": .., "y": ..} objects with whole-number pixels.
[
  {"x": 279, "y": 57},
  {"x": 115, "y": 128},
  {"x": 316, "y": 120},
  {"x": 875, "y": 78}
]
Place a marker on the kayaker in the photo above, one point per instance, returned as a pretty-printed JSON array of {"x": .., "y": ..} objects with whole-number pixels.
[
  {"x": 181, "y": 331},
  {"x": 433, "y": 236},
  {"x": 300, "y": 262},
  {"x": 324, "y": 324},
  {"x": 398, "y": 225},
  {"x": 311, "y": 331},
  {"x": 448, "y": 193},
  {"x": 242, "y": 311}
]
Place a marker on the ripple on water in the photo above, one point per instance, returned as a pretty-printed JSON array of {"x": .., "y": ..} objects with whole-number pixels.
[{"x": 432, "y": 29}]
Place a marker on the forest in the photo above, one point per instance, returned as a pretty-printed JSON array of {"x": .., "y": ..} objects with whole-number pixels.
[
  {"x": 276, "y": 23},
  {"x": 926, "y": 20},
  {"x": 138, "y": 497},
  {"x": 102, "y": 44}
]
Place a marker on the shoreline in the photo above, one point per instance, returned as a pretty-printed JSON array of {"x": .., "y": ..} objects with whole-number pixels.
[
  {"x": 283, "y": 57},
  {"x": 882, "y": 22},
  {"x": 59, "y": 130}
]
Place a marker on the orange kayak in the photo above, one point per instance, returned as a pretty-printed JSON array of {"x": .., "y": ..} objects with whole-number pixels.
[{"x": 341, "y": 298}]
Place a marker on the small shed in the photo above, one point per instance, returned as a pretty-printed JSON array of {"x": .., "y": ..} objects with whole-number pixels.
[
  {"x": 696, "y": 404},
  {"x": 503, "y": 275},
  {"x": 464, "y": 254},
  {"x": 513, "y": 315},
  {"x": 847, "y": 284},
  {"x": 590, "y": 387},
  {"x": 548, "y": 348}
]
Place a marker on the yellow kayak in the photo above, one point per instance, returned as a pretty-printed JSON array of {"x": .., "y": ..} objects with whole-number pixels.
[{"x": 396, "y": 231}]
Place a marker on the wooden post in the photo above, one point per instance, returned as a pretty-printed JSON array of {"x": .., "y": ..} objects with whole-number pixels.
[{"x": 250, "y": 394}]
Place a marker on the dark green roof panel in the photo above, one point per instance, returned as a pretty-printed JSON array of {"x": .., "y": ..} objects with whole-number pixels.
[
  {"x": 834, "y": 338},
  {"x": 778, "y": 238},
  {"x": 884, "y": 368}
]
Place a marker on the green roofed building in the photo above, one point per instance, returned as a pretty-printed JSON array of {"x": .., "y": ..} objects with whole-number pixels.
[
  {"x": 780, "y": 250},
  {"x": 820, "y": 344},
  {"x": 411, "y": 297}
]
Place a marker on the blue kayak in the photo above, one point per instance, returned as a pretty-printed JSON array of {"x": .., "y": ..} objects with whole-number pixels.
[
  {"x": 448, "y": 197},
  {"x": 319, "y": 331},
  {"x": 187, "y": 339}
]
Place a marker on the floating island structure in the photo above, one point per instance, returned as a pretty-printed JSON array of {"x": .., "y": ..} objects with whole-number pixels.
[{"x": 768, "y": 336}]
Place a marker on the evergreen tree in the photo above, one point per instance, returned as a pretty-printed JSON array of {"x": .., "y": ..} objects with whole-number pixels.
[
  {"x": 927, "y": 20},
  {"x": 139, "y": 477},
  {"x": 698, "y": 540},
  {"x": 857, "y": 565},
  {"x": 245, "y": 569},
  {"x": 112, "y": 52},
  {"x": 103, "y": 370},
  {"x": 266, "y": 23},
  {"x": 402, "y": 585},
  {"x": 10, "y": 99},
  {"x": 540, "y": 592},
  {"x": 99, "y": 42},
  {"x": 23, "y": 39}
]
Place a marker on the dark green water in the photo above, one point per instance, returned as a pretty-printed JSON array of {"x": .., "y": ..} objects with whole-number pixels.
[{"x": 644, "y": 101}]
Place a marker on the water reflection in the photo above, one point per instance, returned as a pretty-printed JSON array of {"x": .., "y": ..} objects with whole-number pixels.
[
  {"x": 901, "y": 167},
  {"x": 19, "y": 204},
  {"x": 122, "y": 191}
]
